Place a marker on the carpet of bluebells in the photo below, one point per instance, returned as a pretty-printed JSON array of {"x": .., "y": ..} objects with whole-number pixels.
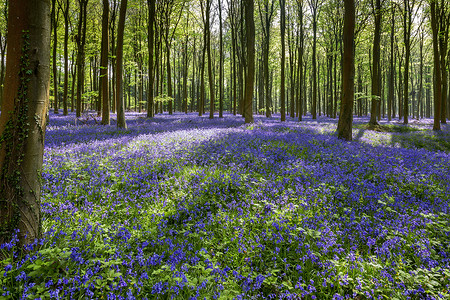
[{"x": 183, "y": 207}]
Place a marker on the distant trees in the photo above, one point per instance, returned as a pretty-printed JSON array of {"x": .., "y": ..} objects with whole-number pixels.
[{"x": 194, "y": 57}]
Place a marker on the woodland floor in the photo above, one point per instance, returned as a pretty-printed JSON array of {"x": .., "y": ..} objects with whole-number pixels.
[{"x": 183, "y": 207}]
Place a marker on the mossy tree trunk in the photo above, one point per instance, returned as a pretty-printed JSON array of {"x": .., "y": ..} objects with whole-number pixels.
[{"x": 23, "y": 118}]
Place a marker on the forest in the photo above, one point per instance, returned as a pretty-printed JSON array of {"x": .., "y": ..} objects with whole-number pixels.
[{"x": 237, "y": 149}]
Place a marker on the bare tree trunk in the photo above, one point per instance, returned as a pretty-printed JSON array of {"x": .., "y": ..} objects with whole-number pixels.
[
  {"x": 250, "y": 79},
  {"x": 54, "y": 17},
  {"x": 348, "y": 73},
  {"x": 23, "y": 119},
  {"x": 300, "y": 61},
  {"x": 208, "y": 49},
  {"x": 376, "y": 66},
  {"x": 3, "y": 43},
  {"x": 221, "y": 75},
  {"x": 119, "y": 69},
  {"x": 151, "y": 41},
  {"x": 66, "y": 57},
  {"x": 81, "y": 41},
  {"x": 437, "y": 68},
  {"x": 314, "y": 7},
  {"x": 104, "y": 64},
  {"x": 283, "y": 58},
  {"x": 391, "y": 69}
]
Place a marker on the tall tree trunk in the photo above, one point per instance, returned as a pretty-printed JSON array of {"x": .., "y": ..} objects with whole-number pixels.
[
  {"x": 201, "y": 106},
  {"x": 348, "y": 73},
  {"x": 420, "y": 96},
  {"x": 391, "y": 64},
  {"x": 249, "y": 80},
  {"x": 283, "y": 59},
  {"x": 443, "y": 44},
  {"x": 66, "y": 57},
  {"x": 112, "y": 27},
  {"x": 407, "y": 21},
  {"x": 185, "y": 75},
  {"x": 314, "y": 7},
  {"x": 376, "y": 65},
  {"x": 266, "y": 20},
  {"x": 81, "y": 41},
  {"x": 208, "y": 49},
  {"x": 221, "y": 71},
  {"x": 23, "y": 119},
  {"x": 54, "y": 17},
  {"x": 437, "y": 68},
  {"x": 151, "y": 41},
  {"x": 74, "y": 81},
  {"x": 300, "y": 61},
  {"x": 104, "y": 64},
  {"x": 400, "y": 87},
  {"x": 3, "y": 43},
  {"x": 119, "y": 69}
]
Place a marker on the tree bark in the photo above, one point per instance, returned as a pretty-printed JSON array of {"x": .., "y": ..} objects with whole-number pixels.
[
  {"x": 314, "y": 6},
  {"x": 376, "y": 65},
  {"x": 437, "y": 68},
  {"x": 121, "y": 123},
  {"x": 249, "y": 80},
  {"x": 23, "y": 118},
  {"x": 208, "y": 49},
  {"x": 151, "y": 41},
  {"x": 348, "y": 73},
  {"x": 66, "y": 57},
  {"x": 104, "y": 64},
  {"x": 54, "y": 17},
  {"x": 221, "y": 68},
  {"x": 300, "y": 61},
  {"x": 81, "y": 41},
  {"x": 283, "y": 59}
]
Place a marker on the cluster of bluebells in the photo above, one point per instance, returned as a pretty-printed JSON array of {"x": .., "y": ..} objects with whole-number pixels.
[{"x": 185, "y": 207}]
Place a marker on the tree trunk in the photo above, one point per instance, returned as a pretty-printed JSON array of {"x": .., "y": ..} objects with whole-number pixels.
[
  {"x": 3, "y": 43},
  {"x": 66, "y": 57},
  {"x": 81, "y": 41},
  {"x": 407, "y": 20},
  {"x": 348, "y": 73},
  {"x": 208, "y": 49},
  {"x": 201, "y": 106},
  {"x": 121, "y": 123},
  {"x": 376, "y": 66},
  {"x": 249, "y": 80},
  {"x": 283, "y": 58},
  {"x": 150, "y": 45},
  {"x": 391, "y": 68},
  {"x": 104, "y": 64},
  {"x": 314, "y": 5},
  {"x": 437, "y": 68},
  {"x": 300, "y": 62},
  {"x": 54, "y": 17},
  {"x": 23, "y": 119},
  {"x": 221, "y": 71}
]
